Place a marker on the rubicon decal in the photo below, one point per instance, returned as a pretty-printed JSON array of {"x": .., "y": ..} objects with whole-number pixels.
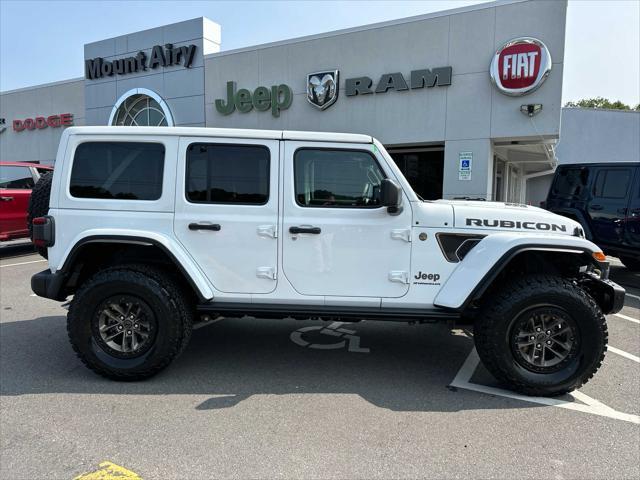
[
  {"x": 520, "y": 66},
  {"x": 477, "y": 222}
]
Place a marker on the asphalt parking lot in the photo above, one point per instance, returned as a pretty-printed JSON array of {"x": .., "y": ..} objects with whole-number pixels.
[{"x": 288, "y": 399}]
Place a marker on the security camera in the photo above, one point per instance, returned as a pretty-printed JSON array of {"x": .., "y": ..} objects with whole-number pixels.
[{"x": 531, "y": 109}]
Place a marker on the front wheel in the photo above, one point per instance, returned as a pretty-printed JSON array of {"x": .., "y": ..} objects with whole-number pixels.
[{"x": 542, "y": 335}]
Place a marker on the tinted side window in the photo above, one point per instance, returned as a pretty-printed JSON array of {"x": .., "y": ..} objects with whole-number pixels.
[
  {"x": 218, "y": 173},
  {"x": 118, "y": 170},
  {"x": 16, "y": 178},
  {"x": 336, "y": 178},
  {"x": 570, "y": 181},
  {"x": 612, "y": 183}
]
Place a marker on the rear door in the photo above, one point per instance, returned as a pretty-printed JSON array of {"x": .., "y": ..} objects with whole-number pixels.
[
  {"x": 226, "y": 211},
  {"x": 16, "y": 183},
  {"x": 609, "y": 202}
]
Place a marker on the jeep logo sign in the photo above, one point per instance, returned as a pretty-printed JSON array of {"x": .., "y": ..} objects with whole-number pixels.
[{"x": 520, "y": 66}]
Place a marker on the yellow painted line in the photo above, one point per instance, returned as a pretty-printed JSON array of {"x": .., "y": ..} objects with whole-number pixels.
[{"x": 109, "y": 471}]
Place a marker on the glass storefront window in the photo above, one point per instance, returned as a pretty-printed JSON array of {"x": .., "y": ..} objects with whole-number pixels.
[{"x": 140, "y": 110}]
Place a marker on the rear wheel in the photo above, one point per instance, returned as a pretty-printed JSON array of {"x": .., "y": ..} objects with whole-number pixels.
[
  {"x": 631, "y": 263},
  {"x": 39, "y": 204},
  {"x": 542, "y": 335},
  {"x": 128, "y": 323}
]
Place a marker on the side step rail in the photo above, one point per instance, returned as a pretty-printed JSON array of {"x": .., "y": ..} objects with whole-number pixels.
[{"x": 269, "y": 310}]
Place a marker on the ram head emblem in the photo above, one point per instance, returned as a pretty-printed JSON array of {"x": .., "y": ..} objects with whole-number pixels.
[{"x": 322, "y": 89}]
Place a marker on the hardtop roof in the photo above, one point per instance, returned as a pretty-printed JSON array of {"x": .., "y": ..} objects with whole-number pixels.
[{"x": 223, "y": 133}]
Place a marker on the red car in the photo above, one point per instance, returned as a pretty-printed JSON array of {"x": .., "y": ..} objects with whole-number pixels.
[{"x": 16, "y": 181}]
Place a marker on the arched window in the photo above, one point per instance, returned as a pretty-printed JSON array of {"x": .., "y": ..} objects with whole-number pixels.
[{"x": 141, "y": 107}]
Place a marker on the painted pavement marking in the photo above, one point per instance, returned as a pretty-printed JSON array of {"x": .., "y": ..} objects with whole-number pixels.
[
  {"x": 626, "y": 317},
  {"x": 624, "y": 354},
  {"x": 589, "y": 405},
  {"x": 109, "y": 471},
  {"x": 349, "y": 338},
  {"x": 22, "y": 263}
]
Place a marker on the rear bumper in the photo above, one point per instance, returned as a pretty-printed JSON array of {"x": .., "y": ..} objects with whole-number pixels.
[
  {"x": 49, "y": 285},
  {"x": 609, "y": 295}
]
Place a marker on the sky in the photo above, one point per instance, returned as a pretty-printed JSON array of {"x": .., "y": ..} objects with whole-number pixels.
[{"x": 42, "y": 41}]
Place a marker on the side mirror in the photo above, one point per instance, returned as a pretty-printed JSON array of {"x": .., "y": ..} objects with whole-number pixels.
[{"x": 391, "y": 196}]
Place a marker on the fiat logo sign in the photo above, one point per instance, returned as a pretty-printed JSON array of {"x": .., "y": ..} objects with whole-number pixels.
[{"x": 520, "y": 66}]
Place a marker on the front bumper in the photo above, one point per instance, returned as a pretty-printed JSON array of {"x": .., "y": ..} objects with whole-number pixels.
[
  {"x": 609, "y": 295},
  {"x": 49, "y": 285}
]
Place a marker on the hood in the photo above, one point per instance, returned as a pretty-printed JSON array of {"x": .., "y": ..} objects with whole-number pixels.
[{"x": 508, "y": 217}]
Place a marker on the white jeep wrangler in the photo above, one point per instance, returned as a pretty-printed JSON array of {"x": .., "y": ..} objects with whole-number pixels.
[{"x": 150, "y": 228}]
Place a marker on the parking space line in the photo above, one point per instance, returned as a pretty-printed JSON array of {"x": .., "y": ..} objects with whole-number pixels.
[
  {"x": 22, "y": 263},
  {"x": 109, "y": 471},
  {"x": 591, "y": 405},
  {"x": 627, "y": 318},
  {"x": 632, "y": 296},
  {"x": 622, "y": 353}
]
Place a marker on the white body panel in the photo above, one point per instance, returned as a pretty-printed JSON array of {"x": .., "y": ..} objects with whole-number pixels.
[
  {"x": 355, "y": 254},
  {"x": 363, "y": 257},
  {"x": 243, "y": 256},
  {"x": 479, "y": 261}
]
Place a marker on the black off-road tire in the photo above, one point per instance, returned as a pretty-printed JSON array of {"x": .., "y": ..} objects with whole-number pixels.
[
  {"x": 493, "y": 330},
  {"x": 39, "y": 204},
  {"x": 173, "y": 313},
  {"x": 631, "y": 263}
]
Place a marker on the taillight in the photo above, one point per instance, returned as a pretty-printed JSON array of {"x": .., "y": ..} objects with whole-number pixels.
[{"x": 43, "y": 231}]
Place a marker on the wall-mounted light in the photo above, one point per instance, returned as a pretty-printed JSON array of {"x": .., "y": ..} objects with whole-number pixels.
[{"x": 531, "y": 109}]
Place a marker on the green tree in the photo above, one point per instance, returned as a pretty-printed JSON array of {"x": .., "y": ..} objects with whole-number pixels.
[{"x": 600, "y": 102}]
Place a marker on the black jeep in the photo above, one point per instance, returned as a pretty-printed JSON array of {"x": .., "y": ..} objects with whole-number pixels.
[{"x": 605, "y": 199}]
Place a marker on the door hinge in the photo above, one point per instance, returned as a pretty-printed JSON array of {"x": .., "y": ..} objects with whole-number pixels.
[
  {"x": 399, "y": 276},
  {"x": 401, "y": 234},
  {"x": 269, "y": 231},
  {"x": 266, "y": 272}
]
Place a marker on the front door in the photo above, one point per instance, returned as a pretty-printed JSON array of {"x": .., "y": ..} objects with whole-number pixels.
[
  {"x": 609, "y": 202},
  {"x": 632, "y": 224},
  {"x": 226, "y": 212},
  {"x": 337, "y": 238}
]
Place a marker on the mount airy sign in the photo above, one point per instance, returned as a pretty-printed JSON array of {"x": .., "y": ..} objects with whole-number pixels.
[{"x": 160, "y": 57}]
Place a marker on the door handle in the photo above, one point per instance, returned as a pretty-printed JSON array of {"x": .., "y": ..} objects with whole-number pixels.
[
  {"x": 305, "y": 229},
  {"x": 205, "y": 226},
  {"x": 6, "y": 199},
  {"x": 596, "y": 207}
]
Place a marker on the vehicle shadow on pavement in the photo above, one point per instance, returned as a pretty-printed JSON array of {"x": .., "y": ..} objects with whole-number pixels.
[
  {"x": 16, "y": 248},
  {"x": 408, "y": 367}
]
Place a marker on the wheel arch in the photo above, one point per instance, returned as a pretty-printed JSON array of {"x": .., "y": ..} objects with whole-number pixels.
[
  {"x": 493, "y": 259},
  {"x": 116, "y": 249}
]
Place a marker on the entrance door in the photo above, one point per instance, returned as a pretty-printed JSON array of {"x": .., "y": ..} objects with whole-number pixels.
[
  {"x": 423, "y": 168},
  {"x": 337, "y": 239},
  {"x": 608, "y": 205},
  {"x": 226, "y": 212}
]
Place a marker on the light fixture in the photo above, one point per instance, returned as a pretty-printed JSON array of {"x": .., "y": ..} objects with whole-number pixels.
[{"x": 531, "y": 109}]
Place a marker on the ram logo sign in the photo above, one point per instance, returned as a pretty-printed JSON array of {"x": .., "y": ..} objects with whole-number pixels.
[
  {"x": 322, "y": 88},
  {"x": 520, "y": 66}
]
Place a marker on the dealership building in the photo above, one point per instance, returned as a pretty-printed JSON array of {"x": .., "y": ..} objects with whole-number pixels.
[{"x": 467, "y": 101}]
